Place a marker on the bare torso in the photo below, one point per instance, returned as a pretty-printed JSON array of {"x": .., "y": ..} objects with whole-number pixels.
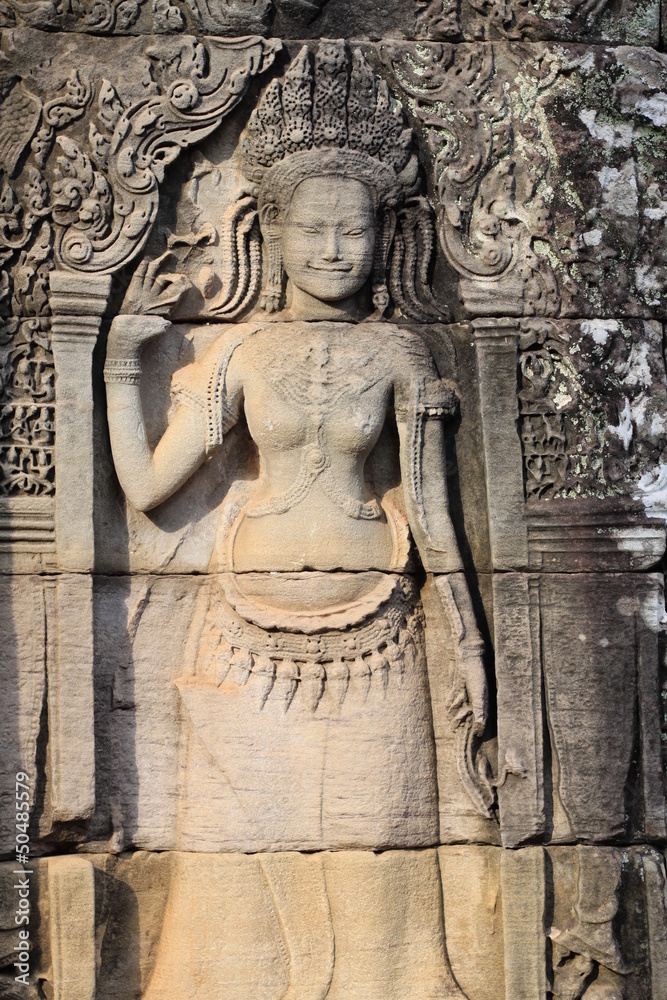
[{"x": 316, "y": 397}]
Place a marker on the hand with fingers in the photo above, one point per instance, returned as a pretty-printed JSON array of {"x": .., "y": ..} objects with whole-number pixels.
[
  {"x": 151, "y": 293},
  {"x": 469, "y": 694},
  {"x": 149, "y": 300}
]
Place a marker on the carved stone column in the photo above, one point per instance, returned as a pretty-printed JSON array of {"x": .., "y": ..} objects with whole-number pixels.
[
  {"x": 71, "y": 903},
  {"x": 497, "y": 343},
  {"x": 69, "y": 669},
  {"x": 78, "y": 302},
  {"x": 523, "y": 888}
]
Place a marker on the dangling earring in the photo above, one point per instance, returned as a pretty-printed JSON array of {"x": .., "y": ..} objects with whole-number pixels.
[
  {"x": 272, "y": 295},
  {"x": 381, "y": 296}
]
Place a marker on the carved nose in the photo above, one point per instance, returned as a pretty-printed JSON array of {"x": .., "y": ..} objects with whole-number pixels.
[{"x": 331, "y": 250}]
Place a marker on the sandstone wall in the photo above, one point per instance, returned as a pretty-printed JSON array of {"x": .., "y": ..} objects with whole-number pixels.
[{"x": 332, "y": 621}]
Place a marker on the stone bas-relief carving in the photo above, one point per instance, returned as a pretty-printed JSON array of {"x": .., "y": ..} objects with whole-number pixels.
[
  {"x": 325, "y": 596},
  {"x": 306, "y": 707},
  {"x": 443, "y": 19},
  {"x": 28, "y": 413},
  {"x": 523, "y": 230},
  {"x": 560, "y": 922},
  {"x": 80, "y": 199},
  {"x": 580, "y": 20},
  {"x": 522, "y": 242},
  {"x": 215, "y": 17}
]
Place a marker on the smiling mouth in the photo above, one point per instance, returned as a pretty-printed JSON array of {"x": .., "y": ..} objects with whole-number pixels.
[{"x": 340, "y": 269}]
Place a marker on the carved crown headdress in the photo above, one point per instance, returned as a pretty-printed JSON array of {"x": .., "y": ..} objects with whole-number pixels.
[
  {"x": 330, "y": 115},
  {"x": 337, "y": 112}
]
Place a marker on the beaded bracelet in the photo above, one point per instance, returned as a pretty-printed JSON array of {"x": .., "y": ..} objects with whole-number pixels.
[{"x": 127, "y": 370}]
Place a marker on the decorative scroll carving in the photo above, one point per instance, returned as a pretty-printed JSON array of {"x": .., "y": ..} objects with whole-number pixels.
[
  {"x": 27, "y": 376},
  {"x": 438, "y": 19},
  {"x": 60, "y": 112},
  {"x": 201, "y": 82},
  {"x": 19, "y": 216},
  {"x": 489, "y": 209},
  {"x": 119, "y": 17},
  {"x": 26, "y": 362},
  {"x": 513, "y": 20},
  {"x": 591, "y": 397},
  {"x": 101, "y": 16},
  {"x": 27, "y": 410},
  {"x": 89, "y": 210}
]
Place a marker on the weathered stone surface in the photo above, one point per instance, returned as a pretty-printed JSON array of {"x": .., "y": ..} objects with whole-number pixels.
[
  {"x": 574, "y": 467},
  {"x": 190, "y": 925},
  {"x": 635, "y": 23},
  {"x": 591, "y": 784},
  {"x": 332, "y": 500},
  {"x": 47, "y": 714},
  {"x": 631, "y": 22},
  {"x": 23, "y": 671},
  {"x": 547, "y": 168}
]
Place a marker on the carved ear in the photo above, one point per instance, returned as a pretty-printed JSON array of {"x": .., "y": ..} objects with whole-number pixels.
[{"x": 269, "y": 218}]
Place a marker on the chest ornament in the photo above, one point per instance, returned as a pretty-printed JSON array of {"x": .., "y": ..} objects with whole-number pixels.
[{"x": 315, "y": 465}]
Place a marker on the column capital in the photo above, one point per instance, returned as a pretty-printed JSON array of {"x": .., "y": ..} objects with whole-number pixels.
[
  {"x": 78, "y": 302},
  {"x": 496, "y": 331}
]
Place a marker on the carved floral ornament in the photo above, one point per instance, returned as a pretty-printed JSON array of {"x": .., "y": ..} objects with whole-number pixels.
[
  {"x": 433, "y": 19},
  {"x": 83, "y": 171},
  {"x": 200, "y": 85},
  {"x": 89, "y": 206},
  {"x": 88, "y": 210},
  {"x": 115, "y": 17},
  {"x": 511, "y": 19},
  {"x": 103, "y": 199},
  {"x": 490, "y": 212},
  {"x": 83, "y": 168}
]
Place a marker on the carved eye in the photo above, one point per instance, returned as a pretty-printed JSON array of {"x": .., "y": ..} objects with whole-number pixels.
[{"x": 355, "y": 232}]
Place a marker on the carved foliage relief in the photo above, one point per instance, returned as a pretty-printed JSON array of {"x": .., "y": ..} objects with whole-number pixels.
[
  {"x": 529, "y": 19},
  {"x": 592, "y": 399},
  {"x": 80, "y": 188},
  {"x": 109, "y": 17},
  {"x": 547, "y": 166},
  {"x": 512, "y": 20},
  {"x": 514, "y": 189},
  {"x": 520, "y": 229}
]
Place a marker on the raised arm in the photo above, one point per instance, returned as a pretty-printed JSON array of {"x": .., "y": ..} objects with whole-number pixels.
[{"x": 147, "y": 476}]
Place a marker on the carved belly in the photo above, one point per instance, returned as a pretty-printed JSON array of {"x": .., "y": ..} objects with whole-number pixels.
[{"x": 317, "y": 535}]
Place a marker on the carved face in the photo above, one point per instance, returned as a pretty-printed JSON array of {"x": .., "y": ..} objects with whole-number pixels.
[{"x": 328, "y": 239}]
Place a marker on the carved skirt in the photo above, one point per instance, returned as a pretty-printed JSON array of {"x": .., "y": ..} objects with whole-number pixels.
[{"x": 307, "y": 716}]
